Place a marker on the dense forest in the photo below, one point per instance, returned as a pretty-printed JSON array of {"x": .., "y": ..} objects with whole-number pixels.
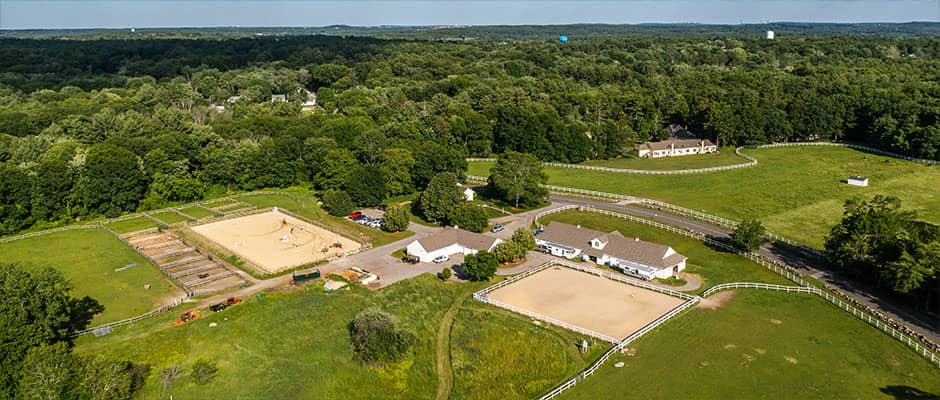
[{"x": 105, "y": 126}]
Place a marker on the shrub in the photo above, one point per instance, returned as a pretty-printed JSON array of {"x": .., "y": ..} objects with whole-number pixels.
[
  {"x": 396, "y": 219},
  {"x": 480, "y": 266},
  {"x": 446, "y": 274},
  {"x": 169, "y": 375},
  {"x": 748, "y": 235},
  {"x": 508, "y": 251},
  {"x": 338, "y": 203},
  {"x": 524, "y": 238},
  {"x": 376, "y": 338},
  {"x": 204, "y": 371}
]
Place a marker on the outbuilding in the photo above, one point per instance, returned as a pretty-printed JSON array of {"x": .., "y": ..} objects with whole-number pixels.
[
  {"x": 858, "y": 181},
  {"x": 450, "y": 241}
]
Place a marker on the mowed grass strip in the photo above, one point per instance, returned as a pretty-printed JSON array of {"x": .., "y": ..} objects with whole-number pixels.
[
  {"x": 196, "y": 212},
  {"x": 131, "y": 225},
  {"x": 764, "y": 344},
  {"x": 497, "y": 354},
  {"x": 169, "y": 217},
  {"x": 88, "y": 258},
  {"x": 796, "y": 191},
  {"x": 725, "y": 157},
  {"x": 290, "y": 345},
  {"x": 713, "y": 266}
]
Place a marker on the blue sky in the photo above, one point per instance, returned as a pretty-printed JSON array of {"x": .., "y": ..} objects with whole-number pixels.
[{"x": 20, "y": 14}]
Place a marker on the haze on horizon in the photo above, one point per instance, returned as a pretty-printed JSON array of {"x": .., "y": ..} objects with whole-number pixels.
[{"x": 43, "y": 14}]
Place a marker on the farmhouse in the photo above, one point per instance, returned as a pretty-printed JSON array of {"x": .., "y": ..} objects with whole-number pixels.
[
  {"x": 676, "y": 147},
  {"x": 310, "y": 99},
  {"x": 450, "y": 241},
  {"x": 858, "y": 181},
  {"x": 631, "y": 255}
]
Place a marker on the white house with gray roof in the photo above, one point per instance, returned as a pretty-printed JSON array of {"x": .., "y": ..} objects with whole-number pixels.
[
  {"x": 630, "y": 255},
  {"x": 450, "y": 241}
]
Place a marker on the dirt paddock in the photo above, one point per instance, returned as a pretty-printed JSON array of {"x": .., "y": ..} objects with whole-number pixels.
[
  {"x": 612, "y": 308},
  {"x": 274, "y": 241}
]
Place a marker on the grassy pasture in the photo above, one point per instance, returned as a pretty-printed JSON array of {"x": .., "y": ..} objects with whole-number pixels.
[
  {"x": 196, "y": 212},
  {"x": 169, "y": 217},
  {"x": 713, "y": 266},
  {"x": 764, "y": 344},
  {"x": 725, "y": 157},
  {"x": 497, "y": 354},
  {"x": 796, "y": 191},
  {"x": 131, "y": 225},
  {"x": 88, "y": 258}
]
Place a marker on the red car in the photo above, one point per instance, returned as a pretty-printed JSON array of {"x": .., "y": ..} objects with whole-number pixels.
[{"x": 355, "y": 215}]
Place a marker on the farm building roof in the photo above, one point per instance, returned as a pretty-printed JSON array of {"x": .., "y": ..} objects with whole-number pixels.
[
  {"x": 618, "y": 246},
  {"x": 449, "y": 236},
  {"x": 678, "y": 143}
]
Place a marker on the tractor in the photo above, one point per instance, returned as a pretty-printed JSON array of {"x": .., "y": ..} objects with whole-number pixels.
[
  {"x": 230, "y": 301},
  {"x": 187, "y": 316}
]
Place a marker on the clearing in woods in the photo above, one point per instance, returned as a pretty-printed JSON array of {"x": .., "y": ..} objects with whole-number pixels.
[{"x": 274, "y": 241}]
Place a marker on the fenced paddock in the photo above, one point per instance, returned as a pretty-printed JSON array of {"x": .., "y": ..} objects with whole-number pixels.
[
  {"x": 275, "y": 241},
  {"x": 586, "y": 300}
]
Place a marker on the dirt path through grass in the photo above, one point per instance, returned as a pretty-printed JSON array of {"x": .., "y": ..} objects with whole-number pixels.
[{"x": 445, "y": 370}]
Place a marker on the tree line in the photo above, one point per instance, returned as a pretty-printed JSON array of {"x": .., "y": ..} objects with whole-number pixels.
[{"x": 101, "y": 127}]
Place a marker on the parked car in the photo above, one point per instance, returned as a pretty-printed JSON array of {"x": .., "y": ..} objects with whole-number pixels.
[
  {"x": 376, "y": 223},
  {"x": 409, "y": 259},
  {"x": 497, "y": 228},
  {"x": 441, "y": 259},
  {"x": 355, "y": 215},
  {"x": 383, "y": 207}
]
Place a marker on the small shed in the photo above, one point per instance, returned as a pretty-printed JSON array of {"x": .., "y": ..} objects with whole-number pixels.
[{"x": 858, "y": 181}]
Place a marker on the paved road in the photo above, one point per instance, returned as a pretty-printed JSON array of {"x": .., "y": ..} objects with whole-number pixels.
[{"x": 867, "y": 295}]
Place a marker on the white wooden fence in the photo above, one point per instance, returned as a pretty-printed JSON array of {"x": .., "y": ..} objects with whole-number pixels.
[{"x": 132, "y": 319}]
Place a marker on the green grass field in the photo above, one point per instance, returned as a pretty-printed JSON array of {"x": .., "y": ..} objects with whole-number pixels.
[
  {"x": 88, "y": 258},
  {"x": 196, "y": 212},
  {"x": 725, "y": 157},
  {"x": 713, "y": 266},
  {"x": 796, "y": 192},
  {"x": 217, "y": 203},
  {"x": 500, "y": 355},
  {"x": 131, "y": 225},
  {"x": 768, "y": 345},
  {"x": 169, "y": 217}
]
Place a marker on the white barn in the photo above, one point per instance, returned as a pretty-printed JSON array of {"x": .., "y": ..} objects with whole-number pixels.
[
  {"x": 450, "y": 241},
  {"x": 858, "y": 181},
  {"x": 676, "y": 147},
  {"x": 630, "y": 255}
]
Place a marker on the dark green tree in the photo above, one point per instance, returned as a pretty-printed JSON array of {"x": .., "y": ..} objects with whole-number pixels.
[
  {"x": 366, "y": 186},
  {"x": 518, "y": 176},
  {"x": 395, "y": 219},
  {"x": 112, "y": 181},
  {"x": 523, "y": 238},
  {"x": 377, "y": 339},
  {"x": 748, "y": 235},
  {"x": 440, "y": 198},
  {"x": 468, "y": 216},
  {"x": 480, "y": 266},
  {"x": 338, "y": 203}
]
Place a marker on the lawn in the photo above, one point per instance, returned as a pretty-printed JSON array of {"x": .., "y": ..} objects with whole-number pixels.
[
  {"x": 217, "y": 203},
  {"x": 169, "y": 217},
  {"x": 764, "y": 344},
  {"x": 196, "y": 212},
  {"x": 500, "y": 355},
  {"x": 290, "y": 345},
  {"x": 88, "y": 258},
  {"x": 796, "y": 191},
  {"x": 725, "y": 157},
  {"x": 713, "y": 266},
  {"x": 131, "y": 225}
]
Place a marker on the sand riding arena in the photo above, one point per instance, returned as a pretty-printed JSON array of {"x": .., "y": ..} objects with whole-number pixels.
[
  {"x": 584, "y": 302},
  {"x": 275, "y": 241}
]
